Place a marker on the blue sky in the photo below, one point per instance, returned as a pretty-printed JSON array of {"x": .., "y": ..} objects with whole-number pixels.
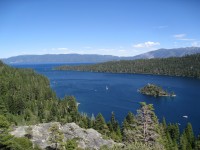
[{"x": 114, "y": 27}]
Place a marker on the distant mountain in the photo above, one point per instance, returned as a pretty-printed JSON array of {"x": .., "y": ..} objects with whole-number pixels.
[
  {"x": 60, "y": 58},
  {"x": 165, "y": 53},
  {"x": 92, "y": 58}
]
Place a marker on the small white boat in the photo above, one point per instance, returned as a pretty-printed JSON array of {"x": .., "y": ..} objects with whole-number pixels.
[
  {"x": 179, "y": 124},
  {"x": 106, "y": 88},
  {"x": 185, "y": 116}
]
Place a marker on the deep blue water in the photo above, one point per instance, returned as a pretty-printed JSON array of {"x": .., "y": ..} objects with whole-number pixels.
[{"x": 90, "y": 91}]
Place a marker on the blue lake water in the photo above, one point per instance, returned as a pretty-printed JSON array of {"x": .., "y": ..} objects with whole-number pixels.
[{"x": 106, "y": 92}]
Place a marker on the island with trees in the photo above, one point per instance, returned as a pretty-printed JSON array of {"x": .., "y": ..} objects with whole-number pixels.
[
  {"x": 187, "y": 66},
  {"x": 154, "y": 90}
]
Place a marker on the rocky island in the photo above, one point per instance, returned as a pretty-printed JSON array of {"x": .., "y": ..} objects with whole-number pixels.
[{"x": 154, "y": 90}]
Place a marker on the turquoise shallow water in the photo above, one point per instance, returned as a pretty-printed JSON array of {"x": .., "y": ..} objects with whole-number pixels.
[{"x": 106, "y": 92}]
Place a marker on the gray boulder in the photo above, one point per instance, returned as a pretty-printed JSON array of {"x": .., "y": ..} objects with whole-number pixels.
[{"x": 86, "y": 138}]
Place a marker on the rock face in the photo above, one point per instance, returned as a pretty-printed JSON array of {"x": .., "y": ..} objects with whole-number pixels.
[{"x": 86, "y": 138}]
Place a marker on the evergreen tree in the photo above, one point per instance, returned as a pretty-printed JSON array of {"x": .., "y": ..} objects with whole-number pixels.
[
  {"x": 144, "y": 127},
  {"x": 183, "y": 141},
  {"x": 147, "y": 124},
  {"x": 173, "y": 130},
  {"x": 197, "y": 143},
  {"x": 3, "y": 110},
  {"x": 114, "y": 128},
  {"x": 190, "y": 136},
  {"x": 4, "y": 132},
  {"x": 130, "y": 119},
  {"x": 100, "y": 124}
]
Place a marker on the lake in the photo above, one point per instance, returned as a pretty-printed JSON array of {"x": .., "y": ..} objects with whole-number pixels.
[{"x": 107, "y": 92}]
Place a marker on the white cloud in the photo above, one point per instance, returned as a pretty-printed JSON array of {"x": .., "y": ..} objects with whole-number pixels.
[
  {"x": 179, "y": 36},
  {"x": 187, "y": 39},
  {"x": 195, "y": 44},
  {"x": 182, "y": 37},
  {"x": 147, "y": 44}
]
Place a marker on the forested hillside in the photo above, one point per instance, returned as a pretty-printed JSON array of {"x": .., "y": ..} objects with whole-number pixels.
[
  {"x": 26, "y": 99},
  {"x": 188, "y": 66}
]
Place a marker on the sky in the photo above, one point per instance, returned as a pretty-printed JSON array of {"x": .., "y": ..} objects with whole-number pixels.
[{"x": 106, "y": 27}]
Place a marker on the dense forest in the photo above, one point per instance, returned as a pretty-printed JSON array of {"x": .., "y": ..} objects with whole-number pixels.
[
  {"x": 188, "y": 66},
  {"x": 26, "y": 99}
]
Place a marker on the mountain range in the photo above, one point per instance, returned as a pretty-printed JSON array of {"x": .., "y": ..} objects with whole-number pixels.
[{"x": 94, "y": 58}]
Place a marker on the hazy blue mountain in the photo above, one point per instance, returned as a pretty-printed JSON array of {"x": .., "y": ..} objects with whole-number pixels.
[
  {"x": 164, "y": 53},
  {"x": 60, "y": 58},
  {"x": 92, "y": 58}
]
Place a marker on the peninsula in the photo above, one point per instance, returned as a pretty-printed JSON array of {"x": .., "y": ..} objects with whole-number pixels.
[{"x": 187, "y": 66}]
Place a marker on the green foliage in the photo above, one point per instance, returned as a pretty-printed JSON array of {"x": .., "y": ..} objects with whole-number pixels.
[
  {"x": 144, "y": 128},
  {"x": 174, "y": 66},
  {"x": 134, "y": 146},
  {"x": 173, "y": 130},
  {"x": 142, "y": 146},
  {"x": 190, "y": 135},
  {"x": 55, "y": 136},
  {"x": 187, "y": 139},
  {"x": 4, "y": 124},
  {"x": 8, "y": 142},
  {"x": 183, "y": 142},
  {"x": 20, "y": 144},
  {"x": 100, "y": 124},
  {"x": 4, "y": 132},
  {"x": 71, "y": 144},
  {"x": 197, "y": 143},
  {"x": 147, "y": 125},
  {"x": 114, "y": 128},
  {"x": 26, "y": 98},
  {"x": 170, "y": 135}
]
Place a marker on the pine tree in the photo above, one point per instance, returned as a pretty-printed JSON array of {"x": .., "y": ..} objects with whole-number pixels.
[
  {"x": 197, "y": 143},
  {"x": 183, "y": 141},
  {"x": 5, "y": 137},
  {"x": 3, "y": 109},
  {"x": 128, "y": 124},
  {"x": 173, "y": 130},
  {"x": 147, "y": 124},
  {"x": 144, "y": 128},
  {"x": 114, "y": 128},
  {"x": 130, "y": 119},
  {"x": 164, "y": 124},
  {"x": 190, "y": 136},
  {"x": 100, "y": 124}
]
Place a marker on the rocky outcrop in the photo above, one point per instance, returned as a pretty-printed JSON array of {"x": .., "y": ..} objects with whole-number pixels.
[{"x": 86, "y": 138}]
